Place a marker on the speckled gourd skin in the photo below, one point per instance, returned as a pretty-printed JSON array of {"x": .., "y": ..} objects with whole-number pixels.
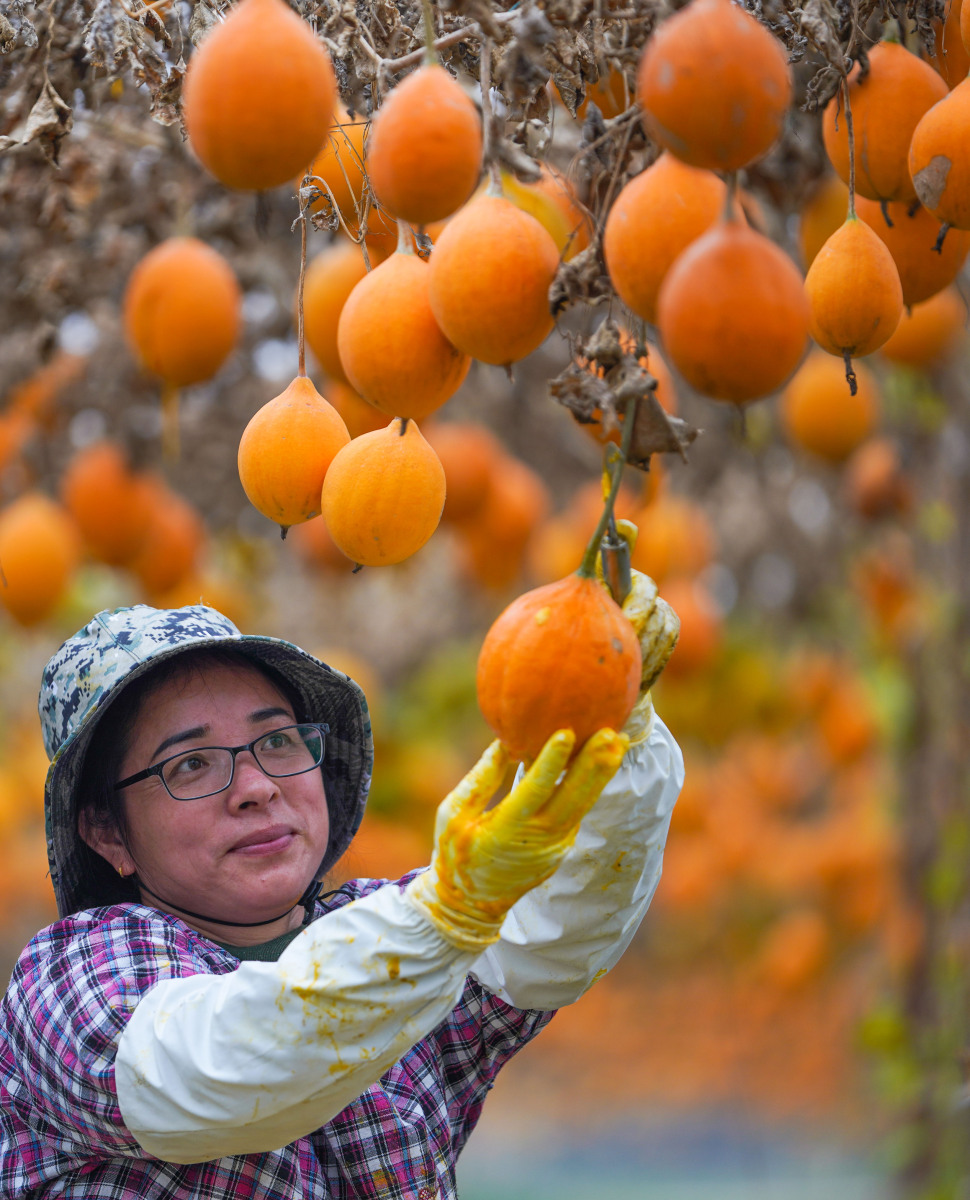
[{"x": 562, "y": 656}]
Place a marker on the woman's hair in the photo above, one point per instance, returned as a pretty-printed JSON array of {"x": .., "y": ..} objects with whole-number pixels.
[{"x": 97, "y": 798}]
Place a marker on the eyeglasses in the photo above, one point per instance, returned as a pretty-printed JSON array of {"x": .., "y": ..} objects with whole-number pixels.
[{"x": 205, "y": 770}]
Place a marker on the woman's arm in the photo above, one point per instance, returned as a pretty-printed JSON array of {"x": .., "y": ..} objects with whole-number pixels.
[
  {"x": 569, "y": 931},
  {"x": 213, "y": 1065}
]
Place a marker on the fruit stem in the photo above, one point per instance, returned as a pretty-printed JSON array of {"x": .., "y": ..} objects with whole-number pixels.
[
  {"x": 300, "y": 341},
  {"x": 405, "y": 245},
  {"x": 613, "y": 463},
  {"x": 850, "y": 374},
  {"x": 170, "y": 422},
  {"x": 731, "y": 195},
  {"x": 850, "y": 136},
  {"x": 430, "y": 54},
  {"x": 485, "y": 81}
]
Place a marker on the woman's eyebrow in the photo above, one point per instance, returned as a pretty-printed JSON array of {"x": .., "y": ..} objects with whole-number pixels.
[
  {"x": 263, "y": 714},
  {"x": 197, "y": 732}
]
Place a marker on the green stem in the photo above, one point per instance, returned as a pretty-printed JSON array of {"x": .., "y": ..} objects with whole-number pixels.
[
  {"x": 430, "y": 55},
  {"x": 614, "y": 462}
]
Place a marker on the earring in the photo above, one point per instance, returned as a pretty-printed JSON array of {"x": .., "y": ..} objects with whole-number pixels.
[{"x": 121, "y": 872}]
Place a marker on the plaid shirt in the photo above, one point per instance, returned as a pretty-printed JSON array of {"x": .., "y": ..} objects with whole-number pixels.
[{"x": 61, "y": 1130}]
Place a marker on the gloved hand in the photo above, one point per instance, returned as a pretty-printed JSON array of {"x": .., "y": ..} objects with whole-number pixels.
[
  {"x": 657, "y": 627},
  {"x": 486, "y": 858}
]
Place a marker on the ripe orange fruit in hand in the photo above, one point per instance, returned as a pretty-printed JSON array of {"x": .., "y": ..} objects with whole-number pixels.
[
  {"x": 562, "y": 656},
  {"x": 714, "y": 86},
  {"x": 424, "y": 154},
  {"x": 259, "y": 96}
]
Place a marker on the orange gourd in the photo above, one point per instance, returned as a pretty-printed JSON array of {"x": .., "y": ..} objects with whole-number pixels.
[
  {"x": 424, "y": 155},
  {"x": 930, "y": 332},
  {"x": 286, "y": 450},
  {"x": 383, "y": 495},
  {"x": 491, "y": 270},
  {"x": 675, "y": 538},
  {"x": 552, "y": 201},
  {"x": 259, "y": 96},
  {"x": 40, "y": 547},
  {"x": 101, "y": 492},
  {"x": 938, "y": 160},
  {"x": 181, "y": 311},
  {"x": 173, "y": 545},
  {"x": 655, "y": 218},
  {"x": 393, "y": 351},
  {"x": 714, "y": 86},
  {"x": 469, "y": 454},
  {"x": 886, "y": 107},
  {"x": 822, "y": 214},
  {"x": 951, "y": 59},
  {"x": 911, "y": 240},
  {"x": 494, "y": 538},
  {"x": 819, "y": 415},
  {"x": 330, "y": 277},
  {"x": 854, "y": 292},
  {"x": 562, "y": 656},
  {"x": 359, "y": 416},
  {"x": 732, "y": 314},
  {"x": 875, "y": 483}
]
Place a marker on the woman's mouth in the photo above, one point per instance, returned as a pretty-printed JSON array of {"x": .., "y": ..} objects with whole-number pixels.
[{"x": 271, "y": 840}]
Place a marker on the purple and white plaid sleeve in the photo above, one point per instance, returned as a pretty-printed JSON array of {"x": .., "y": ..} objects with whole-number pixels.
[{"x": 61, "y": 1131}]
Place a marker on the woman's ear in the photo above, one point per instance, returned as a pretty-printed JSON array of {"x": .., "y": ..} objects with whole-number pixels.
[{"x": 106, "y": 841}]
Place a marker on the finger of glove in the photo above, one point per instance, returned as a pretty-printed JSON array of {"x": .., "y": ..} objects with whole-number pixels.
[
  {"x": 640, "y": 601},
  {"x": 593, "y": 768},
  {"x": 539, "y": 782},
  {"x": 472, "y": 795},
  {"x": 657, "y": 643}
]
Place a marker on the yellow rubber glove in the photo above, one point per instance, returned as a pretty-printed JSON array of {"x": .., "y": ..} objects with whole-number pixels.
[
  {"x": 485, "y": 858},
  {"x": 657, "y": 627}
]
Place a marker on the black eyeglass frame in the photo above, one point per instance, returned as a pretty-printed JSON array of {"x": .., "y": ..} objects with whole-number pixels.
[{"x": 320, "y": 726}]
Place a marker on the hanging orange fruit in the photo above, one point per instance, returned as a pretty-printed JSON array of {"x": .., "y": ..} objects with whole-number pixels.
[
  {"x": 854, "y": 292},
  {"x": 424, "y": 154},
  {"x": 491, "y": 270},
  {"x": 383, "y": 495},
  {"x": 181, "y": 311},
  {"x": 732, "y": 314},
  {"x": 654, "y": 218},
  {"x": 392, "y": 349},
  {"x": 528, "y": 687},
  {"x": 714, "y": 86},
  {"x": 930, "y": 332},
  {"x": 911, "y": 240},
  {"x": 822, "y": 214},
  {"x": 938, "y": 161},
  {"x": 101, "y": 492},
  {"x": 39, "y": 551},
  {"x": 259, "y": 96},
  {"x": 286, "y": 450},
  {"x": 887, "y": 104},
  {"x": 330, "y": 277},
  {"x": 819, "y": 416}
]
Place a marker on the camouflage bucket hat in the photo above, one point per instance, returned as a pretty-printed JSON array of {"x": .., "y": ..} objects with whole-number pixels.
[{"x": 91, "y": 671}]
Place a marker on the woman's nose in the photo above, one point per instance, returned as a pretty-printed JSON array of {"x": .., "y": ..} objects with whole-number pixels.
[{"x": 250, "y": 783}]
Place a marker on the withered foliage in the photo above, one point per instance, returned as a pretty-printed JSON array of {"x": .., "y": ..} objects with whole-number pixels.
[{"x": 94, "y": 166}]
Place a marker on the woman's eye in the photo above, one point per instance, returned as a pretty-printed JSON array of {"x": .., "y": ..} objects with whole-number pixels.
[
  {"x": 189, "y": 764},
  {"x": 276, "y": 740}
]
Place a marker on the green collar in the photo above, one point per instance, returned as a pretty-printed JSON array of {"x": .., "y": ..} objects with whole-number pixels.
[{"x": 265, "y": 951}]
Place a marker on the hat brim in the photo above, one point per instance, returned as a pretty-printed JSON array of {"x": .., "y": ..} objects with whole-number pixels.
[{"x": 326, "y": 694}]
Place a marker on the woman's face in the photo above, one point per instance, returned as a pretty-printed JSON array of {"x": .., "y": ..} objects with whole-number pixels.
[{"x": 248, "y": 852}]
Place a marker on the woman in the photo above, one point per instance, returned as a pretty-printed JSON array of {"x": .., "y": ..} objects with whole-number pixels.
[{"x": 201, "y": 1021}]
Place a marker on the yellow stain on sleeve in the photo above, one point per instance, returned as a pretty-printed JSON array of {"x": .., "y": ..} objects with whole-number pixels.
[{"x": 394, "y": 967}]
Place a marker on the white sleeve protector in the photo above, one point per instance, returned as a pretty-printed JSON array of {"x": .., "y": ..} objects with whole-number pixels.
[
  {"x": 214, "y": 1065},
  {"x": 569, "y": 931}
]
